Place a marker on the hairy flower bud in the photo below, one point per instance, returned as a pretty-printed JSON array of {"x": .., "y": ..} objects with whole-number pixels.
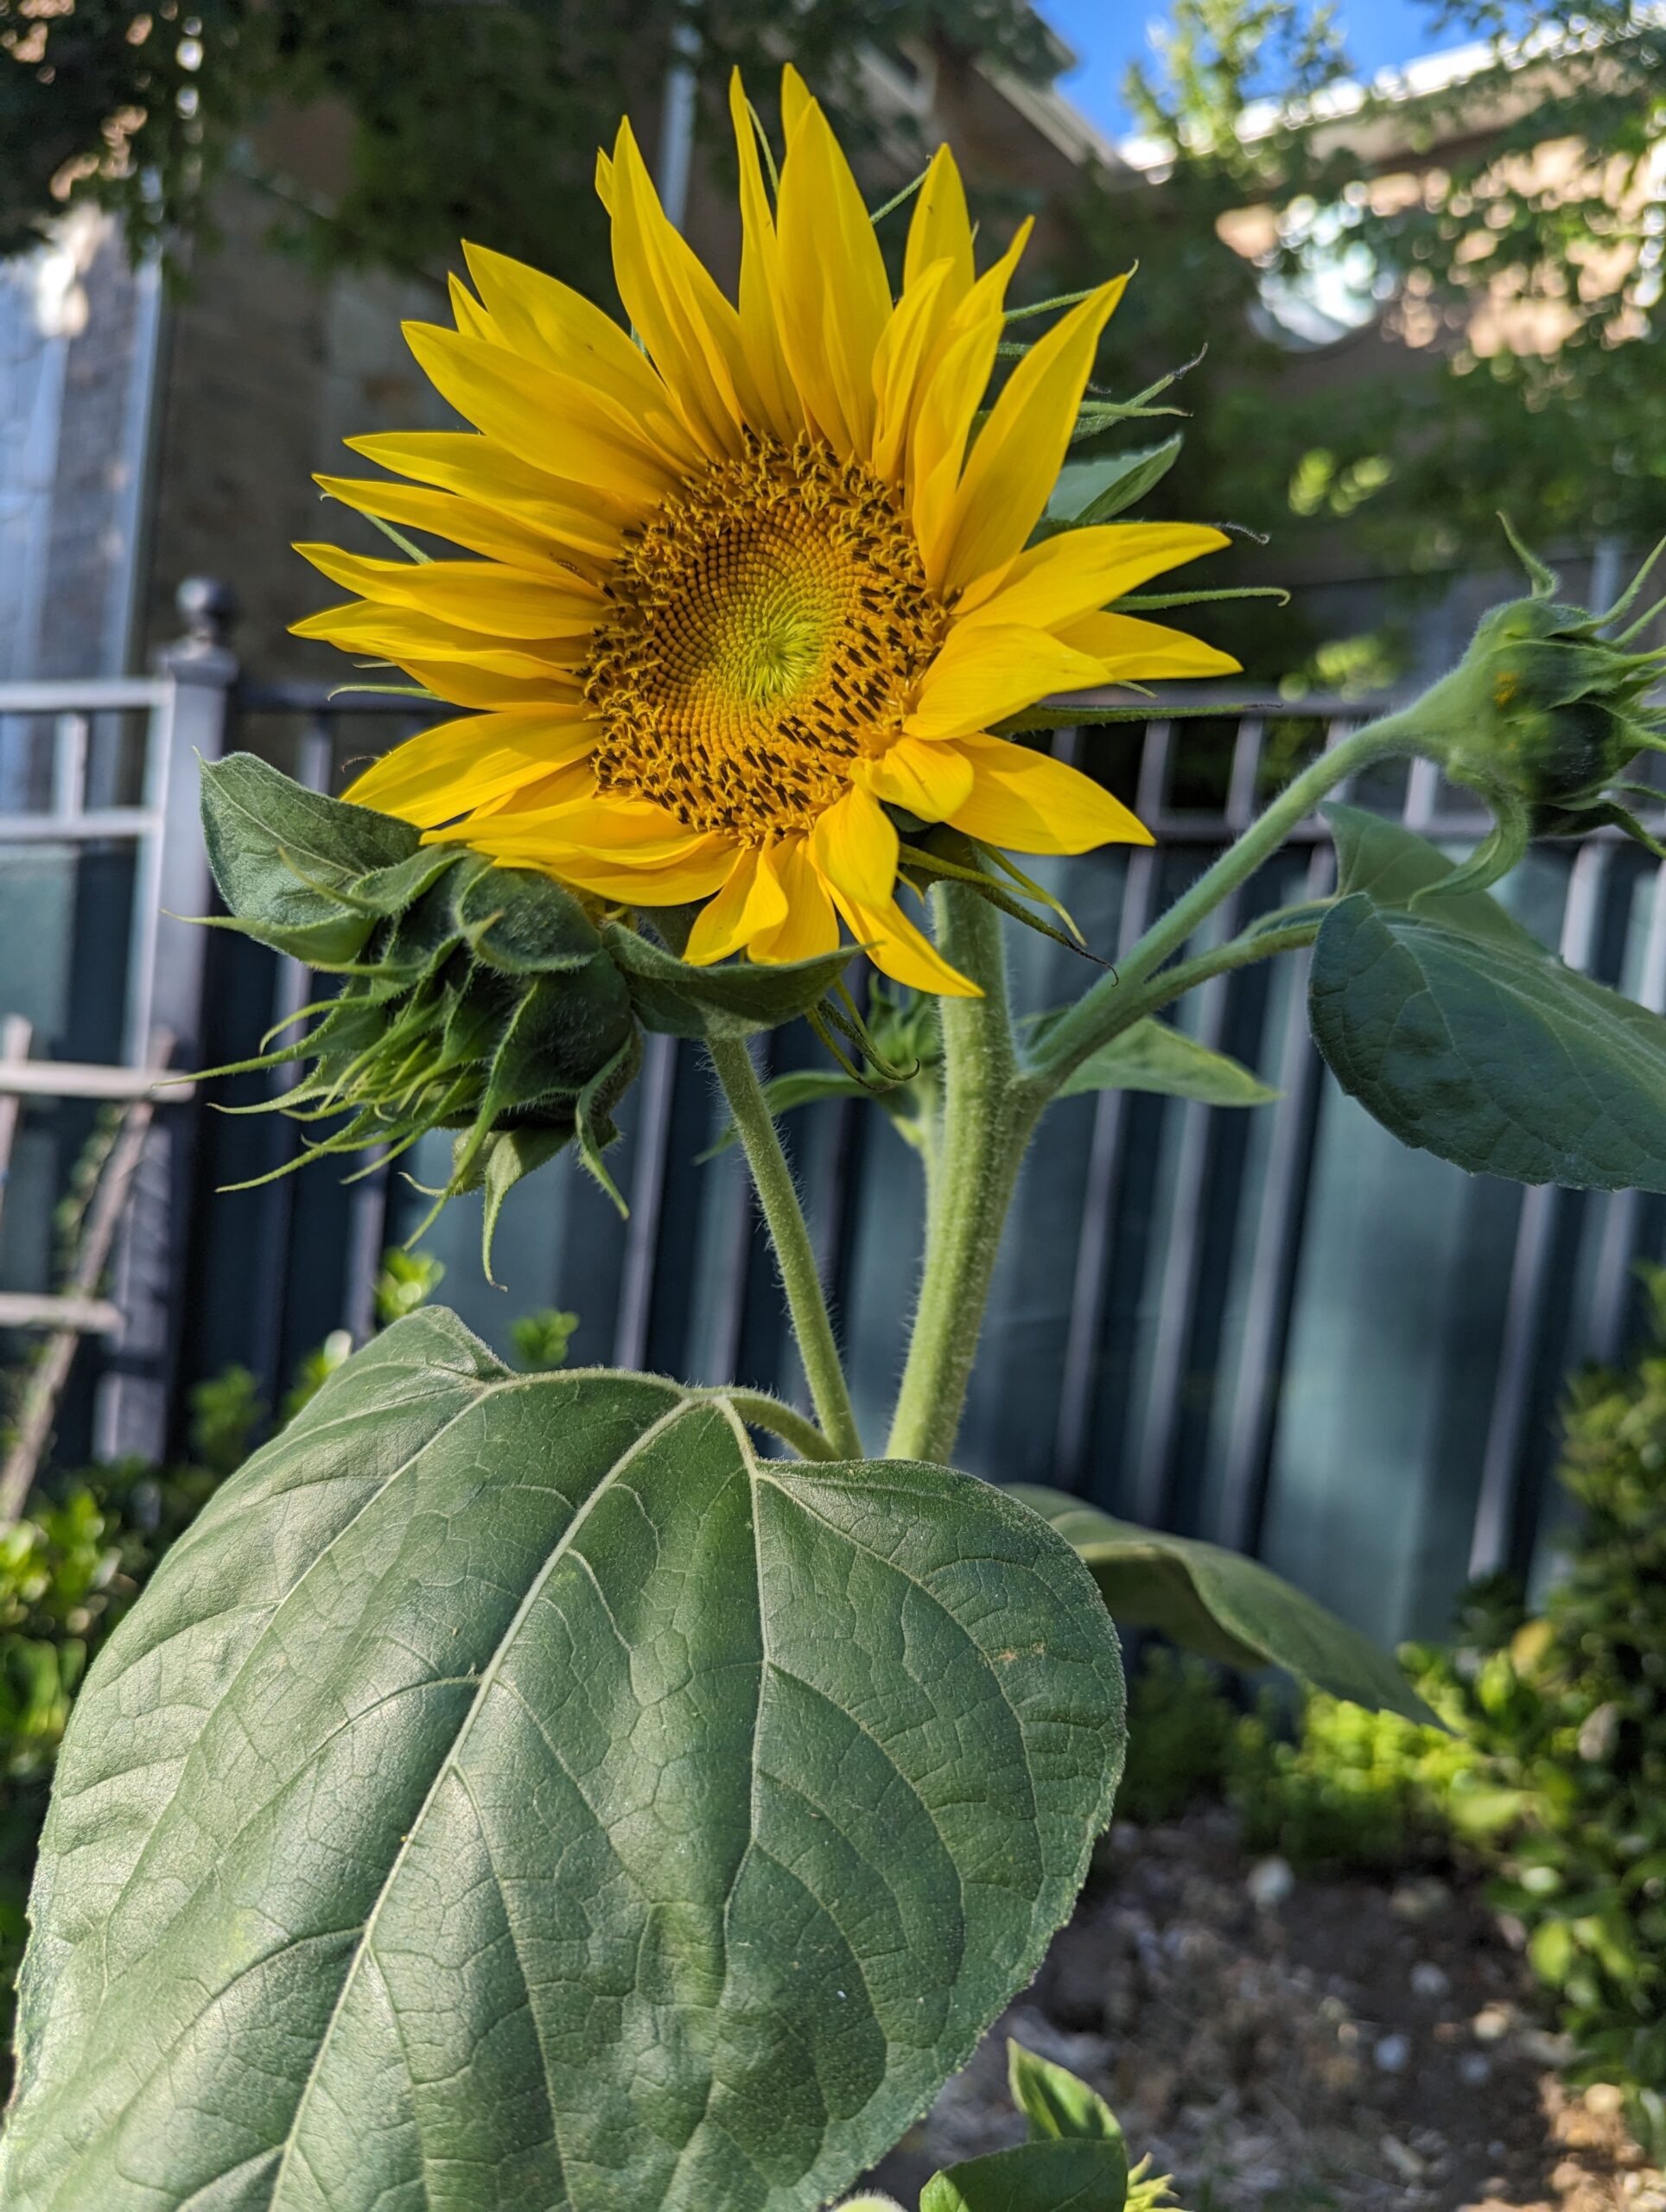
[
  {"x": 474, "y": 999},
  {"x": 1541, "y": 716}
]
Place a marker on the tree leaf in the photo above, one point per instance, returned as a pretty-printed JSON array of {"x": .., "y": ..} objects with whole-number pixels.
[
  {"x": 1217, "y": 1602},
  {"x": 1153, "y": 1055},
  {"x": 735, "y": 999},
  {"x": 262, "y": 828},
  {"x": 513, "y": 1791},
  {"x": 1482, "y": 1047},
  {"x": 1078, "y": 2174},
  {"x": 1095, "y": 491},
  {"x": 1055, "y": 2102}
]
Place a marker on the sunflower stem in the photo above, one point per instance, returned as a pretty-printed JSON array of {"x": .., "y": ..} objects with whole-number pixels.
[
  {"x": 795, "y": 1257},
  {"x": 1117, "y": 1000},
  {"x": 985, "y": 1124}
]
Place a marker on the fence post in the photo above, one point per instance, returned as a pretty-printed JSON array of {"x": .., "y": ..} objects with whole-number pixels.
[{"x": 171, "y": 883}]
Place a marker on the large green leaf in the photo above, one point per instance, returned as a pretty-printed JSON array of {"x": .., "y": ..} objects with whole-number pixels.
[
  {"x": 735, "y": 998},
  {"x": 513, "y": 1792},
  {"x": 1480, "y": 1046},
  {"x": 1228, "y": 1607},
  {"x": 1377, "y": 855},
  {"x": 1095, "y": 491},
  {"x": 1078, "y": 2173},
  {"x": 1153, "y": 1055}
]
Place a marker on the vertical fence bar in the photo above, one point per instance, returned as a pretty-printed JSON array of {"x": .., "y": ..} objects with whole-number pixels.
[
  {"x": 1499, "y": 1506},
  {"x": 1091, "y": 1280},
  {"x": 1623, "y": 1222},
  {"x": 165, "y": 994},
  {"x": 653, "y": 1124}
]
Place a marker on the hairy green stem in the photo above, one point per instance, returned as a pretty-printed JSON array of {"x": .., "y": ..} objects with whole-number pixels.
[
  {"x": 759, "y": 1410},
  {"x": 794, "y": 1254},
  {"x": 985, "y": 1124},
  {"x": 1106, "y": 1010}
]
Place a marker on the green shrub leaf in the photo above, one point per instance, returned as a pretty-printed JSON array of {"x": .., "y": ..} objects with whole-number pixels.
[
  {"x": 1095, "y": 491},
  {"x": 1219, "y": 1603},
  {"x": 1153, "y": 1055},
  {"x": 735, "y": 999},
  {"x": 1482, "y": 1047},
  {"x": 1079, "y": 2174},
  {"x": 512, "y": 1790}
]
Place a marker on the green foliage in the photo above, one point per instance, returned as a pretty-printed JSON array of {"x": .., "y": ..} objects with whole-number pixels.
[
  {"x": 1180, "y": 1729},
  {"x": 644, "y": 1760},
  {"x": 541, "y": 1339},
  {"x": 1222, "y": 1604},
  {"x": 1413, "y": 449},
  {"x": 484, "y": 126},
  {"x": 405, "y": 1282},
  {"x": 1153, "y": 1055}
]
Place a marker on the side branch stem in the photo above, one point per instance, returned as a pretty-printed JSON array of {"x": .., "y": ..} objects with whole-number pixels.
[
  {"x": 794, "y": 1254},
  {"x": 987, "y": 1117},
  {"x": 1106, "y": 1010}
]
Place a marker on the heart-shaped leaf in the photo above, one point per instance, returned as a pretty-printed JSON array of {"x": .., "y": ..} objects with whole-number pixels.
[
  {"x": 513, "y": 1791},
  {"x": 1217, "y": 1602},
  {"x": 1153, "y": 1055},
  {"x": 735, "y": 999},
  {"x": 1485, "y": 1049}
]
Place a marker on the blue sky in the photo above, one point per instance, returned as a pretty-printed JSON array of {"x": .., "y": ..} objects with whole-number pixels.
[{"x": 1110, "y": 34}]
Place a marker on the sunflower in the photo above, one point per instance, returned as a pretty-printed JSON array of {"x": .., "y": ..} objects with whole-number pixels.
[{"x": 753, "y": 577}]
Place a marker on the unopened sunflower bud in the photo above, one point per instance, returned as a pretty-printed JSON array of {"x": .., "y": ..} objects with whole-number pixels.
[
  {"x": 474, "y": 999},
  {"x": 1542, "y": 715}
]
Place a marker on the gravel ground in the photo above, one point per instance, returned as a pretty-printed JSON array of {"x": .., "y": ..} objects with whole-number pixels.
[{"x": 1283, "y": 2045}]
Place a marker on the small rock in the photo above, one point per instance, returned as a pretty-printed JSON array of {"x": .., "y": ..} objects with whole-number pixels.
[
  {"x": 1269, "y": 1882},
  {"x": 1429, "y": 1980},
  {"x": 1603, "y": 2102},
  {"x": 1490, "y": 2023},
  {"x": 1405, "y": 2162},
  {"x": 1419, "y": 1896},
  {"x": 1545, "y": 2049},
  {"x": 1474, "y": 2069},
  {"x": 1393, "y": 2055}
]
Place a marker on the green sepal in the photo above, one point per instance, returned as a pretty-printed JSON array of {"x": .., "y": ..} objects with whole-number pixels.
[
  {"x": 284, "y": 855},
  {"x": 1056, "y": 2104},
  {"x": 1090, "y": 492},
  {"x": 1154, "y": 1056},
  {"x": 1073, "y": 2174},
  {"x": 508, "y": 1158},
  {"x": 736, "y": 998},
  {"x": 1230, "y": 1608}
]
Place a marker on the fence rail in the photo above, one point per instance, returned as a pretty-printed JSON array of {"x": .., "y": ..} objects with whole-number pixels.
[{"x": 1153, "y": 1331}]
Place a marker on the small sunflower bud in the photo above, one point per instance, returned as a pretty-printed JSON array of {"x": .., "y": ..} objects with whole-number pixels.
[
  {"x": 474, "y": 998},
  {"x": 1543, "y": 715}
]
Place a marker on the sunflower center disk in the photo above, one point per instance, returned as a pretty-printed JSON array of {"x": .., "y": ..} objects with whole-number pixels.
[{"x": 769, "y": 626}]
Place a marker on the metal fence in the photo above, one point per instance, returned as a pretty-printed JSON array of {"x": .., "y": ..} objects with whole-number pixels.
[{"x": 1272, "y": 1328}]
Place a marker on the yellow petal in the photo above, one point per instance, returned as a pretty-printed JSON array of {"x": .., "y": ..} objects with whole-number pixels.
[
  {"x": 692, "y": 333},
  {"x": 854, "y": 848},
  {"x": 795, "y": 100},
  {"x": 446, "y": 770},
  {"x": 1131, "y": 649},
  {"x": 943, "y": 423},
  {"x": 1030, "y": 802},
  {"x": 694, "y": 875},
  {"x": 470, "y": 317},
  {"x": 940, "y": 230},
  {"x": 1077, "y": 571},
  {"x": 576, "y": 780},
  {"x": 908, "y": 339},
  {"x": 896, "y": 947},
  {"x": 811, "y": 927},
  {"x": 1016, "y": 462},
  {"x": 400, "y": 633},
  {"x": 836, "y": 298},
  {"x": 479, "y": 595},
  {"x": 465, "y": 683},
  {"x": 554, "y": 422},
  {"x": 463, "y": 462},
  {"x": 558, "y": 328},
  {"x": 930, "y": 780},
  {"x": 982, "y": 675},
  {"x": 760, "y": 326},
  {"x": 494, "y": 532},
  {"x": 750, "y": 903}
]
